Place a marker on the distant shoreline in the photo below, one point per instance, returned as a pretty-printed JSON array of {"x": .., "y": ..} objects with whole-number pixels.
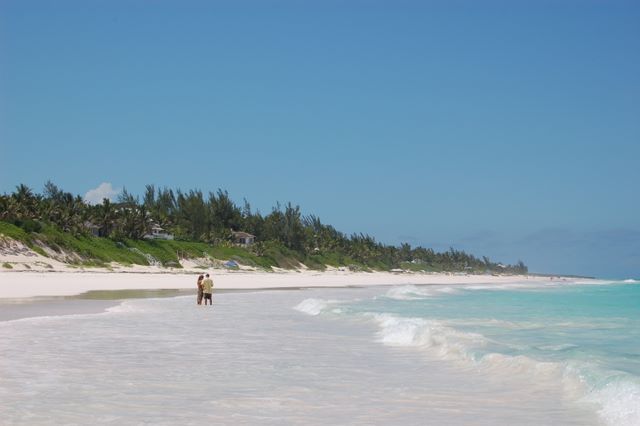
[
  {"x": 59, "y": 293},
  {"x": 585, "y": 277},
  {"x": 63, "y": 283},
  {"x": 190, "y": 270}
]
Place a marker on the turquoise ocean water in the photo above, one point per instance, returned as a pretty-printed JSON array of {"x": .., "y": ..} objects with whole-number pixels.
[{"x": 584, "y": 336}]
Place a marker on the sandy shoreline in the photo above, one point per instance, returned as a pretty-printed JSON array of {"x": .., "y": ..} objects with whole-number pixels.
[
  {"x": 51, "y": 306},
  {"x": 17, "y": 285},
  {"x": 26, "y": 294}
]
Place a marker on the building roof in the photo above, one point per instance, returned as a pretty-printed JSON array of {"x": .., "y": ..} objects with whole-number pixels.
[{"x": 240, "y": 234}]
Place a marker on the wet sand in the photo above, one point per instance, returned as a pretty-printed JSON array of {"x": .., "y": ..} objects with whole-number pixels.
[{"x": 92, "y": 302}]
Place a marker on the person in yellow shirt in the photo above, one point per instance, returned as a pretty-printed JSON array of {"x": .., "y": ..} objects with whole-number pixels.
[{"x": 207, "y": 287}]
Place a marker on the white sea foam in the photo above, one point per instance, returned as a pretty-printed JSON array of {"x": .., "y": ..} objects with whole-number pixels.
[
  {"x": 446, "y": 342},
  {"x": 438, "y": 339},
  {"x": 620, "y": 401},
  {"x": 413, "y": 292},
  {"x": 147, "y": 305},
  {"x": 126, "y": 306},
  {"x": 400, "y": 331},
  {"x": 442, "y": 340},
  {"x": 312, "y": 306},
  {"x": 617, "y": 394},
  {"x": 408, "y": 292},
  {"x": 630, "y": 281},
  {"x": 502, "y": 286}
]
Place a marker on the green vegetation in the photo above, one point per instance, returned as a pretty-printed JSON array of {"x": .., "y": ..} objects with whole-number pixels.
[
  {"x": 7, "y": 265},
  {"x": 203, "y": 227},
  {"x": 15, "y": 232}
]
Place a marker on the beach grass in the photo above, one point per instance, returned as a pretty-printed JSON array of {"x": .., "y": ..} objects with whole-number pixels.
[
  {"x": 90, "y": 251},
  {"x": 15, "y": 232},
  {"x": 83, "y": 250}
]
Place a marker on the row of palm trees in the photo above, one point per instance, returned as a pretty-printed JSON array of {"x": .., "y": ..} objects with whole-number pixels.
[
  {"x": 71, "y": 213},
  {"x": 193, "y": 216}
]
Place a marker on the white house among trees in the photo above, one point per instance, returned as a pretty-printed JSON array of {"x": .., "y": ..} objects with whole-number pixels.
[
  {"x": 243, "y": 238},
  {"x": 158, "y": 233}
]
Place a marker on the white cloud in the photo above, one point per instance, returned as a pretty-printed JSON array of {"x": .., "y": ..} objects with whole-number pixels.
[{"x": 104, "y": 190}]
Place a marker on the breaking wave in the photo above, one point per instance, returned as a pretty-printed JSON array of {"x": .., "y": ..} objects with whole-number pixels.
[
  {"x": 413, "y": 292},
  {"x": 617, "y": 394},
  {"x": 313, "y": 306}
]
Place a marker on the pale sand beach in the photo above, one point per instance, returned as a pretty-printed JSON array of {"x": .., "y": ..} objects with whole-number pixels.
[
  {"x": 25, "y": 294},
  {"x": 60, "y": 292},
  {"x": 31, "y": 284}
]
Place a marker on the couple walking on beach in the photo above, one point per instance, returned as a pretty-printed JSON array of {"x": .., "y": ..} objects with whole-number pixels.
[{"x": 205, "y": 288}]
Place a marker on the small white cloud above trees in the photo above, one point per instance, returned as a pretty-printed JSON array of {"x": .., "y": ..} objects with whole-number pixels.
[{"x": 104, "y": 190}]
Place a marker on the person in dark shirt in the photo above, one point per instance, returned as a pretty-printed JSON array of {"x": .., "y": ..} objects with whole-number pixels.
[{"x": 200, "y": 289}]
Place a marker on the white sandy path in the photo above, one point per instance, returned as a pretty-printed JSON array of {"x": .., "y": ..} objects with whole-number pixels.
[{"x": 30, "y": 284}]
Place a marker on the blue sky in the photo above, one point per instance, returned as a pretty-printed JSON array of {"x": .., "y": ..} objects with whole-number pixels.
[{"x": 505, "y": 128}]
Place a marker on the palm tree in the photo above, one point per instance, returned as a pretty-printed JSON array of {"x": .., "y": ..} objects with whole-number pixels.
[
  {"x": 9, "y": 208},
  {"x": 104, "y": 216},
  {"x": 26, "y": 202}
]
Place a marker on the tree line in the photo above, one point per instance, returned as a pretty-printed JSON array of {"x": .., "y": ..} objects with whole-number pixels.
[{"x": 212, "y": 218}]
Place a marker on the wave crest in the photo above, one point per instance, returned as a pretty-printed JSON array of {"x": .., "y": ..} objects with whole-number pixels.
[
  {"x": 617, "y": 395},
  {"x": 620, "y": 402},
  {"x": 413, "y": 292},
  {"x": 439, "y": 339},
  {"x": 312, "y": 306}
]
